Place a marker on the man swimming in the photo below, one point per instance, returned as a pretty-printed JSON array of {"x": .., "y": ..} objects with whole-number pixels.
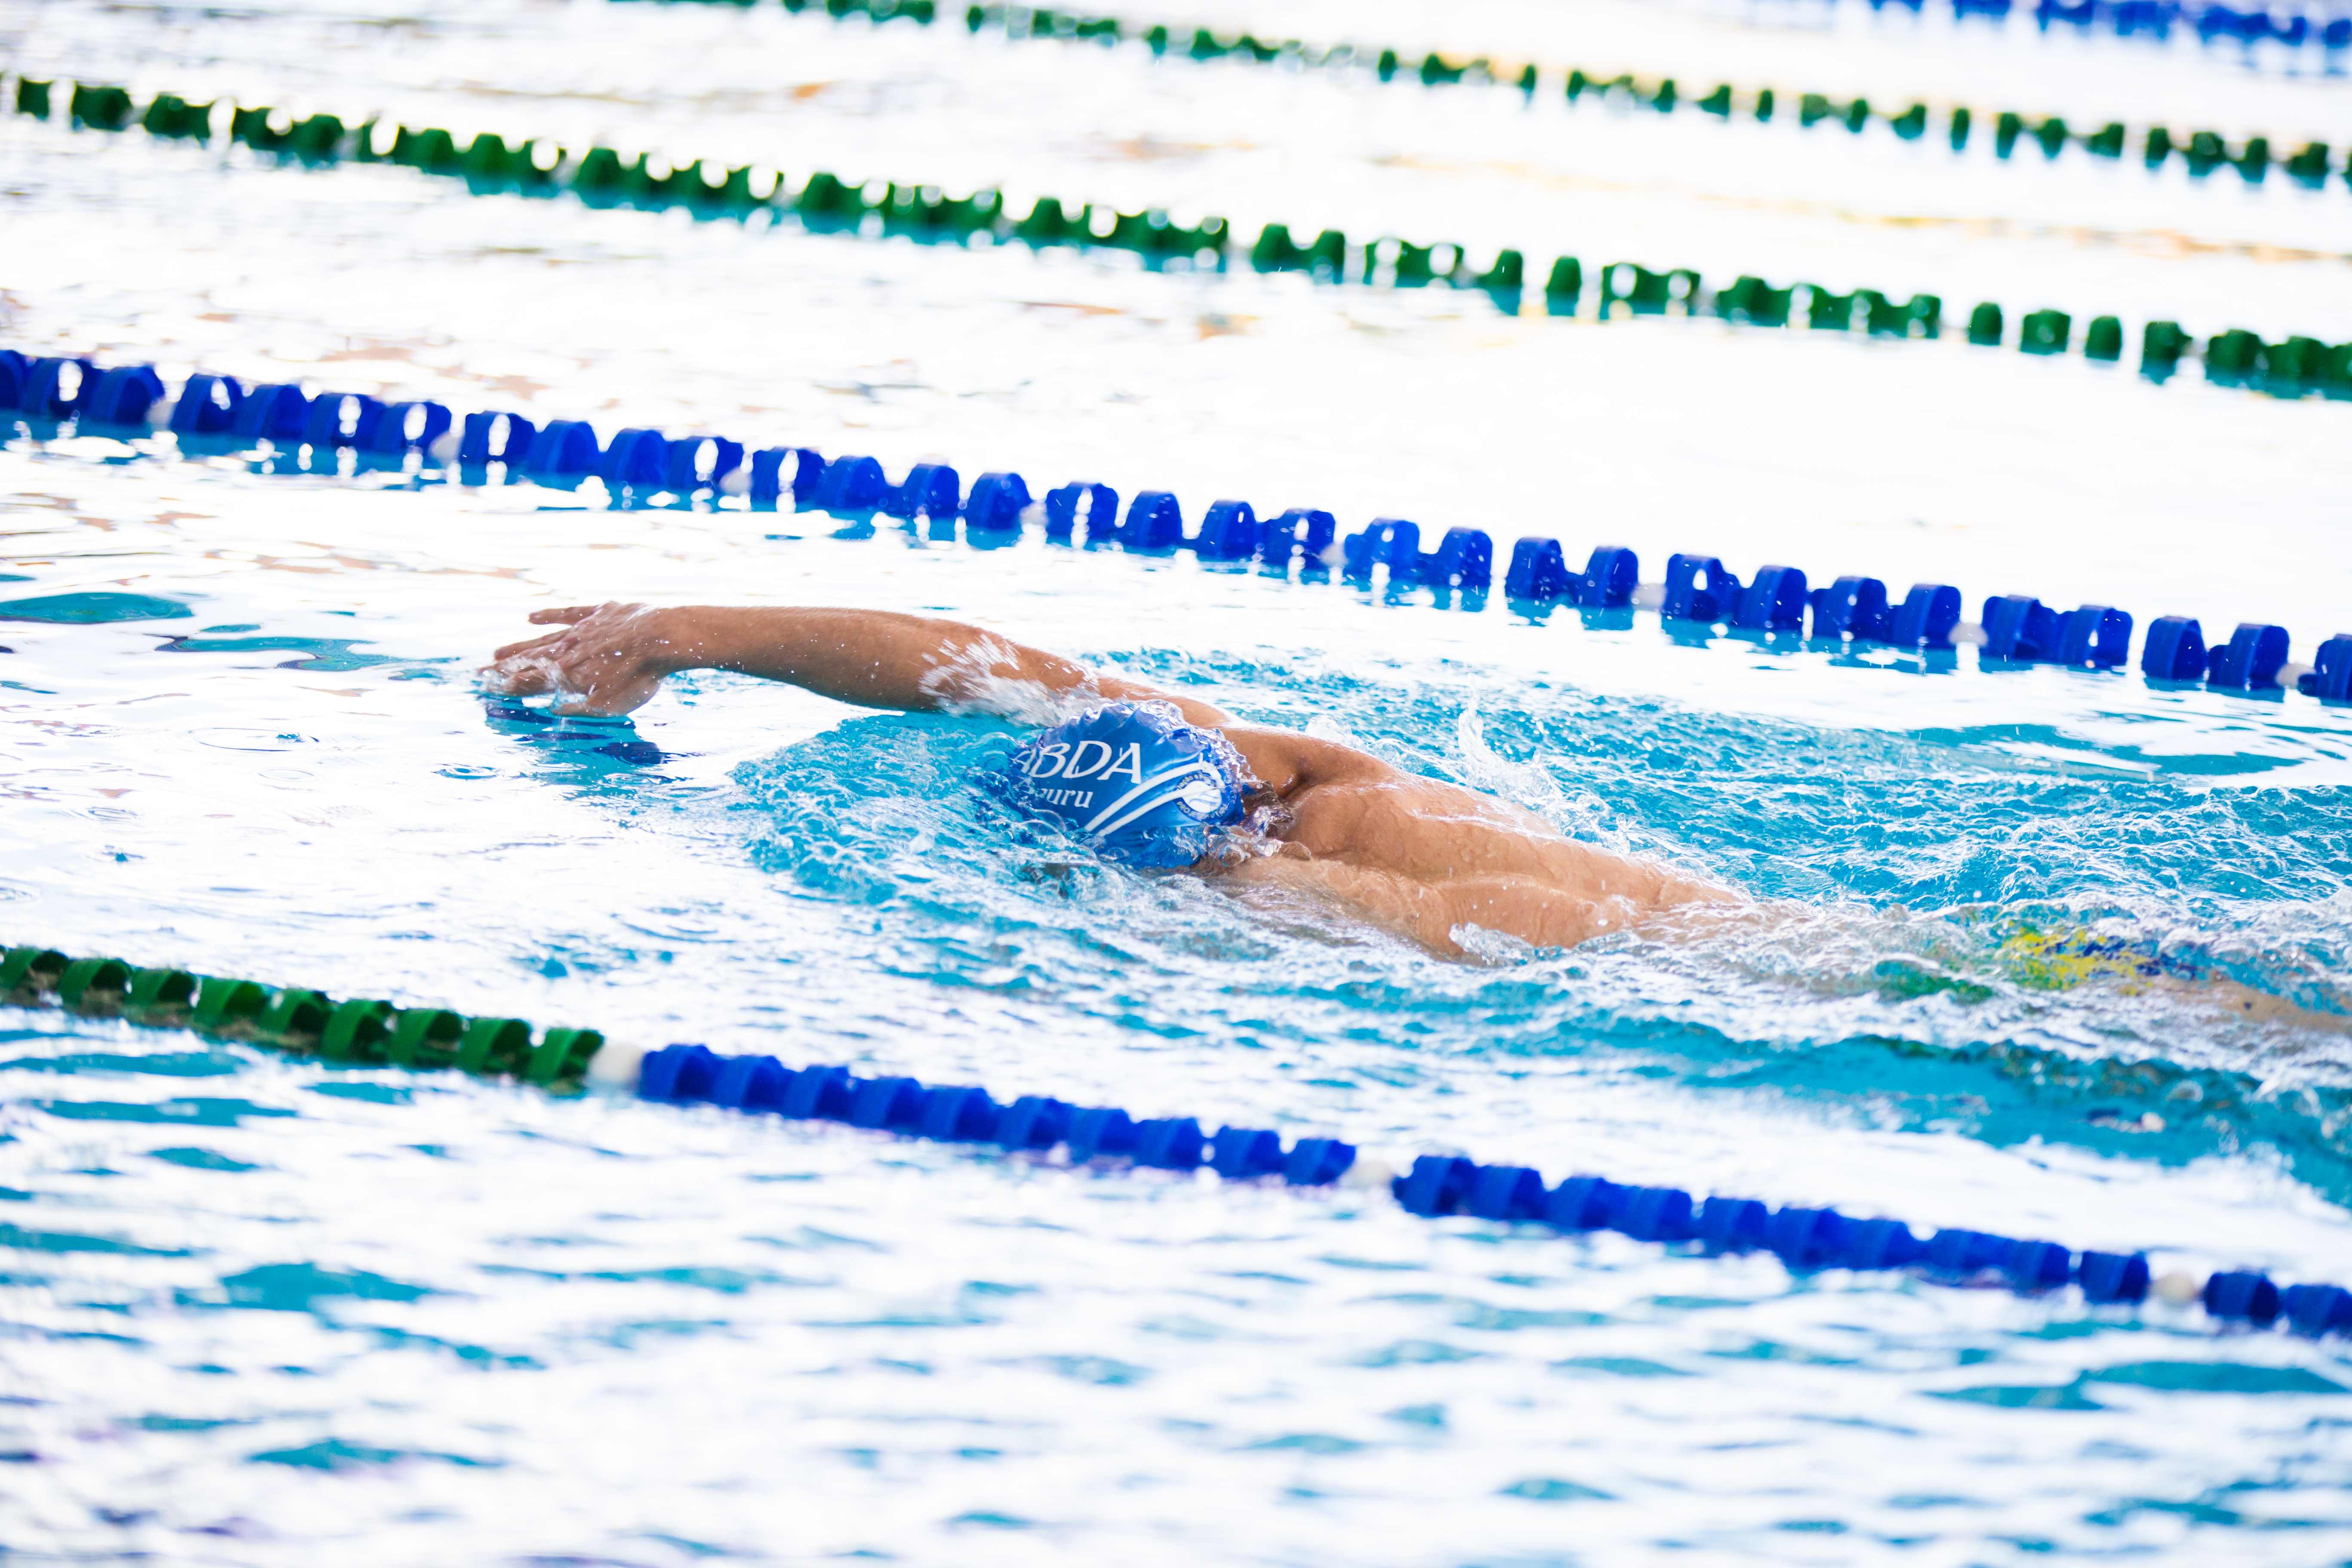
[{"x": 1145, "y": 778}]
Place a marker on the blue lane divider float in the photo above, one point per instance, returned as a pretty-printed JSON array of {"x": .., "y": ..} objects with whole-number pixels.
[
  {"x": 215, "y": 415},
  {"x": 2296, "y": 26},
  {"x": 1439, "y": 1185}
]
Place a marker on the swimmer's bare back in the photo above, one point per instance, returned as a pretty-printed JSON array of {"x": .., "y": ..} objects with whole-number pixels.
[{"x": 1417, "y": 855}]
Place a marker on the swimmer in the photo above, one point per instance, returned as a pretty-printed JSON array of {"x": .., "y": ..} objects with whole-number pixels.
[{"x": 1147, "y": 779}]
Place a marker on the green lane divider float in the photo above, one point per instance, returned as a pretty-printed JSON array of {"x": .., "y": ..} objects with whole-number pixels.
[
  {"x": 2202, "y": 152},
  {"x": 297, "y": 1021},
  {"x": 2295, "y": 366}
]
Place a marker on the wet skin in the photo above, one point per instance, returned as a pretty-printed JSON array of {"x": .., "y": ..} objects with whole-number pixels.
[{"x": 1415, "y": 856}]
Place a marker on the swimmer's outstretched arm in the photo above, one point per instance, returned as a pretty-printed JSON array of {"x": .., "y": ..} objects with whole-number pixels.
[{"x": 610, "y": 659}]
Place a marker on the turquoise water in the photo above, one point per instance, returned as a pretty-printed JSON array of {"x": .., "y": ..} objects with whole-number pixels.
[
  {"x": 393, "y": 1317},
  {"x": 258, "y": 1311}
]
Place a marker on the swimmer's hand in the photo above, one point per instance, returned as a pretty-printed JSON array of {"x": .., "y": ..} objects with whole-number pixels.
[{"x": 608, "y": 659}]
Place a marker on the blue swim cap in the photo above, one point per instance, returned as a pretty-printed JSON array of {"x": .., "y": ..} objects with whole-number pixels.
[{"x": 1139, "y": 785}]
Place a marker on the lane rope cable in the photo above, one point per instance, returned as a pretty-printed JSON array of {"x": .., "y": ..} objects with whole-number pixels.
[
  {"x": 2251, "y": 157},
  {"x": 2295, "y": 366},
  {"x": 369, "y": 1034},
  {"x": 347, "y": 435}
]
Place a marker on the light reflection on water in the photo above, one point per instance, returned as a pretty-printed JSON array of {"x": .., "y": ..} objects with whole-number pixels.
[{"x": 263, "y": 1312}]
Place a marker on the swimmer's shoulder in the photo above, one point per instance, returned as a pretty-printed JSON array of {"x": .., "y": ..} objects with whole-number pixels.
[{"x": 1290, "y": 761}]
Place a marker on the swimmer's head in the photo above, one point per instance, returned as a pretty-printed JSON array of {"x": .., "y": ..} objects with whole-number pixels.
[{"x": 1134, "y": 783}]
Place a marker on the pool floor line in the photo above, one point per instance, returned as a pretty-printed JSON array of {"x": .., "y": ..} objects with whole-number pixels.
[{"x": 369, "y": 1033}]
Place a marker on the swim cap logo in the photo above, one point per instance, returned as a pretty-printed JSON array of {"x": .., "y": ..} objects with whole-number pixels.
[
  {"x": 1053, "y": 761},
  {"x": 1203, "y": 797},
  {"x": 1134, "y": 780}
]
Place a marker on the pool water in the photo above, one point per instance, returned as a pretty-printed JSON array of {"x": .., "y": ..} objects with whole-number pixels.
[{"x": 261, "y": 1312}]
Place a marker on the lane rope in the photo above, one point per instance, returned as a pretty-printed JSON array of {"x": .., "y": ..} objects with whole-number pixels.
[
  {"x": 2295, "y": 366},
  {"x": 2251, "y": 156},
  {"x": 2296, "y": 27},
  {"x": 373, "y": 1034},
  {"x": 349, "y": 434}
]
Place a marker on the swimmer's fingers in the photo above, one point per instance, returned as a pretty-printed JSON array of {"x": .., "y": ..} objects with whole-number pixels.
[
  {"x": 572, "y": 618},
  {"x": 516, "y": 677},
  {"x": 531, "y": 645}
]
